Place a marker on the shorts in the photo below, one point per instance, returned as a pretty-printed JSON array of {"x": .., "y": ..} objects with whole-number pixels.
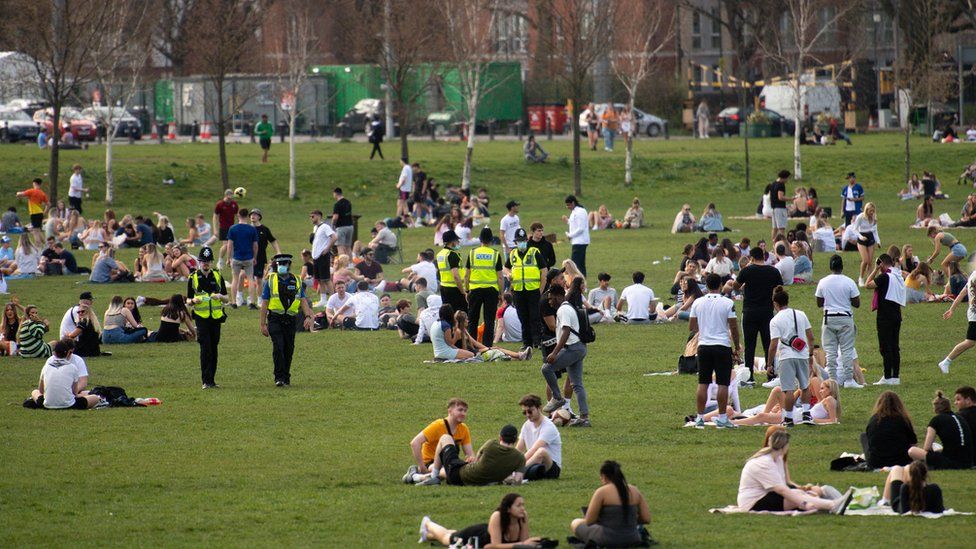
[
  {"x": 866, "y": 240},
  {"x": 539, "y": 472},
  {"x": 937, "y": 460},
  {"x": 344, "y": 236},
  {"x": 323, "y": 266},
  {"x": 794, "y": 373},
  {"x": 958, "y": 250},
  {"x": 452, "y": 463},
  {"x": 37, "y": 220},
  {"x": 258, "y": 270},
  {"x": 779, "y": 218},
  {"x": 971, "y": 331},
  {"x": 265, "y": 143},
  {"x": 717, "y": 359},
  {"x": 246, "y": 265},
  {"x": 476, "y": 531},
  {"x": 770, "y": 502},
  {"x": 80, "y": 404},
  {"x": 222, "y": 233},
  {"x": 75, "y": 202},
  {"x": 404, "y": 195}
]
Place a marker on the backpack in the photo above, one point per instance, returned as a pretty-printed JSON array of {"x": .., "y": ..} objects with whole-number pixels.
[{"x": 585, "y": 333}]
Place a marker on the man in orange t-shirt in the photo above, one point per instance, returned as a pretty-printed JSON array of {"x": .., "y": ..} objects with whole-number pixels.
[
  {"x": 424, "y": 445},
  {"x": 36, "y": 204},
  {"x": 609, "y": 120}
]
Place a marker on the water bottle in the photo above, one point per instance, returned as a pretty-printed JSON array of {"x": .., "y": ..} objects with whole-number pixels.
[{"x": 151, "y": 401}]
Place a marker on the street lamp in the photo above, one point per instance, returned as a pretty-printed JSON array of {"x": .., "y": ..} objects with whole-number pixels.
[{"x": 877, "y": 63}]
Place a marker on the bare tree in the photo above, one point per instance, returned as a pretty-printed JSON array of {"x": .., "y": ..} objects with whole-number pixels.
[
  {"x": 171, "y": 37},
  {"x": 641, "y": 31},
  {"x": 227, "y": 30},
  {"x": 118, "y": 58},
  {"x": 577, "y": 32},
  {"x": 59, "y": 52},
  {"x": 470, "y": 28},
  {"x": 793, "y": 45}
]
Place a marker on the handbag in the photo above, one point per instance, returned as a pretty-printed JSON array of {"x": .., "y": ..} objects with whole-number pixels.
[{"x": 796, "y": 342}]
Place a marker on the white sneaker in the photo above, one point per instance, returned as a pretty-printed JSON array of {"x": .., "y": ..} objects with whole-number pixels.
[
  {"x": 770, "y": 384},
  {"x": 851, "y": 384},
  {"x": 319, "y": 304},
  {"x": 894, "y": 381},
  {"x": 220, "y": 264},
  {"x": 882, "y": 381},
  {"x": 860, "y": 282},
  {"x": 423, "y": 529},
  {"x": 944, "y": 366},
  {"x": 141, "y": 300}
]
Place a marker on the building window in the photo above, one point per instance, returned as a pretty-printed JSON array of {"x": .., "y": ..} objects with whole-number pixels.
[
  {"x": 511, "y": 34},
  {"x": 716, "y": 28},
  {"x": 696, "y": 31},
  {"x": 828, "y": 22}
]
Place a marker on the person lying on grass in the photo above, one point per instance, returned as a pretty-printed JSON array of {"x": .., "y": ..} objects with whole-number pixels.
[
  {"x": 508, "y": 527},
  {"x": 825, "y": 411},
  {"x": 907, "y": 490}
]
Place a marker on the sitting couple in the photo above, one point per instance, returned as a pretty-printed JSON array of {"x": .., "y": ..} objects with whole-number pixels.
[{"x": 453, "y": 341}]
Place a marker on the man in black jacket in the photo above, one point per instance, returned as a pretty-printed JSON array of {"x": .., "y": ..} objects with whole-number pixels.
[{"x": 537, "y": 239}]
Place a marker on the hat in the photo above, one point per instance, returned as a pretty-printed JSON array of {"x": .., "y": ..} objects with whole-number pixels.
[
  {"x": 850, "y": 174},
  {"x": 485, "y": 235},
  {"x": 4, "y": 239},
  {"x": 257, "y": 211},
  {"x": 86, "y": 296},
  {"x": 282, "y": 258},
  {"x": 450, "y": 236},
  {"x": 511, "y": 204},
  {"x": 509, "y": 434},
  {"x": 520, "y": 234},
  {"x": 206, "y": 254}
]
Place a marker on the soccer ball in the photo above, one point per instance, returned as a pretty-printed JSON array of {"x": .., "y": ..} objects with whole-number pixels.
[
  {"x": 240, "y": 192},
  {"x": 560, "y": 417}
]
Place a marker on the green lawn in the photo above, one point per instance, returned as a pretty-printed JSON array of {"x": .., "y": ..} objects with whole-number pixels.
[{"x": 320, "y": 463}]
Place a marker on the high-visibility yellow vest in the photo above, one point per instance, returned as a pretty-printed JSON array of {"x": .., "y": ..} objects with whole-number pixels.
[
  {"x": 274, "y": 302},
  {"x": 526, "y": 274},
  {"x": 210, "y": 308},
  {"x": 444, "y": 268},
  {"x": 482, "y": 261}
]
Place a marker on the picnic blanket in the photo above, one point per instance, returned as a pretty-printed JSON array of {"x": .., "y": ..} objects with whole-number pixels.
[
  {"x": 453, "y": 360},
  {"x": 712, "y": 424},
  {"x": 873, "y": 511}
]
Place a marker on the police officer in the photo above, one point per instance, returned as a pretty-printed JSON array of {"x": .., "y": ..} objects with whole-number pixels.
[
  {"x": 483, "y": 279},
  {"x": 283, "y": 295},
  {"x": 450, "y": 279},
  {"x": 207, "y": 293},
  {"x": 528, "y": 268}
]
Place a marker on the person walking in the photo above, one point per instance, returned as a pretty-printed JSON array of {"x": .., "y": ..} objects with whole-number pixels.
[
  {"x": 449, "y": 278},
  {"x": 579, "y": 232},
  {"x": 758, "y": 281},
  {"x": 223, "y": 219},
  {"x": 537, "y": 240},
  {"x": 37, "y": 203},
  {"x": 702, "y": 114},
  {"x": 609, "y": 122},
  {"x": 206, "y": 291},
  {"x": 528, "y": 270},
  {"x": 404, "y": 187},
  {"x": 567, "y": 356},
  {"x": 375, "y": 132},
  {"x": 76, "y": 186},
  {"x": 837, "y": 295},
  {"x": 791, "y": 337},
  {"x": 853, "y": 195},
  {"x": 970, "y": 341},
  {"x": 889, "y": 292},
  {"x": 264, "y": 238},
  {"x": 323, "y": 237},
  {"x": 483, "y": 280},
  {"x": 265, "y": 131},
  {"x": 282, "y": 297},
  {"x": 713, "y": 318},
  {"x": 243, "y": 239},
  {"x": 342, "y": 222},
  {"x": 777, "y": 199}
]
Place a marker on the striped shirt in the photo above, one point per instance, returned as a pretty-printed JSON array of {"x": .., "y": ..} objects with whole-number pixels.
[{"x": 31, "y": 336}]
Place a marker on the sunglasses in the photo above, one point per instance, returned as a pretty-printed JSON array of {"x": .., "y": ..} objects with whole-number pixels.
[{"x": 527, "y": 412}]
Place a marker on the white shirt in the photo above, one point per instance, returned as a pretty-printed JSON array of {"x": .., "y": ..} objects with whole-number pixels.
[
  {"x": 970, "y": 311},
  {"x": 367, "y": 309},
  {"x": 849, "y": 205},
  {"x": 638, "y": 298},
  {"x": 27, "y": 263},
  {"x": 759, "y": 476},
  {"x": 579, "y": 226},
  {"x": 76, "y": 184},
  {"x": 335, "y": 302},
  {"x": 80, "y": 364},
  {"x": 406, "y": 179},
  {"x": 68, "y": 322},
  {"x": 566, "y": 316},
  {"x": 513, "y": 326},
  {"x": 721, "y": 267},
  {"x": 863, "y": 226},
  {"x": 971, "y": 134},
  {"x": 825, "y": 236},
  {"x": 59, "y": 375},
  {"x": 837, "y": 291},
  {"x": 713, "y": 312},
  {"x": 509, "y": 224},
  {"x": 427, "y": 271},
  {"x": 784, "y": 327},
  {"x": 711, "y": 396},
  {"x": 786, "y": 266},
  {"x": 426, "y": 320},
  {"x": 320, "y": 243},
  {"x": 546, "y": 431}
]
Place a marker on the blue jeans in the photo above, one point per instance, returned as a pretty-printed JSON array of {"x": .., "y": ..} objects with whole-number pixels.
[
  {"x": 608, "y": 136},
  {"x": 119, "y": 336},
  {"x": 578, "y": 255}
]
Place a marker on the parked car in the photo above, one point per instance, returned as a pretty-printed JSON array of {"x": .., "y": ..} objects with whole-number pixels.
[
  {"x": 355, "y": 119},
  {"x": 15, "y": 125},
  {"x": 125, "y": 123},
  {"x": 71, "y": 120},
  {"x": 727, "y": 121},
  {"x": 29, "y": 106},
  {"x": 646, "y": 123}
]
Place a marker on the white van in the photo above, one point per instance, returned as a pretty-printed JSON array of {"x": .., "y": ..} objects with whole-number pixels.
[{"x": 814, "y": 99}]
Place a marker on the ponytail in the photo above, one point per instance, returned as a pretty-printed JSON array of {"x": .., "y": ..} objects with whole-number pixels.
[
  {"x": 780, "y": 297},
  {"x": 941, "y": 403},
  {"x": 611, "y": 470},
  {"x": 917, "y": 473}
]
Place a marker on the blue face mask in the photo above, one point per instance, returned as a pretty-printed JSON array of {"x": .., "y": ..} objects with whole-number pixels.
[
  {"x": 282, "y": 269},
  {"x": 522, "y": 246}
]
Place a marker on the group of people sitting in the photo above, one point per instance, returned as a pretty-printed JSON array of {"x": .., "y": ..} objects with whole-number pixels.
[
  {"x": 711, "y": 221},
  {"x": 603, "y": 219}
]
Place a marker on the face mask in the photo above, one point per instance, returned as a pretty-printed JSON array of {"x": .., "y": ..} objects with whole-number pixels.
[
  {"x": 456, "y": 248},
  {"x": 522, "y": 246},
  {"x": 282, "y": 269}
]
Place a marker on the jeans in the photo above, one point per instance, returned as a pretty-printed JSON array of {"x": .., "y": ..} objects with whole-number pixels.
[
  {"x": 755, "y": 323},
  {"x": 578, "y": 255},
  {"x": 889, "y": 330},
  {"x": 608, "y": 136},
  {"x": 119, "y": 335},
  {"x": 570, "y": 360},
  {"x": 838, "y": 337}
]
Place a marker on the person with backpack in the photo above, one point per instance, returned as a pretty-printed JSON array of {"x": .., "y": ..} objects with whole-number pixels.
[
  {"x": 713, "y": 318},
  {"x": 573, "y": 332}
]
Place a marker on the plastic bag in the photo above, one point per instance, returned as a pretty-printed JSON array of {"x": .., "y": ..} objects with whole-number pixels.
[{"x": 864, "y": 498}]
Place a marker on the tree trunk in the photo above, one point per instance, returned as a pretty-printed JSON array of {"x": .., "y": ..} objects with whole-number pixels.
[
  {"x": 221, "y": 138},
  {"x": 629, "y": 158},
  {"x": 577, "y": 171},
  {"x": 746, "y": 142},
  {"x": 292, "y": 183},
  {"x": 908, "y": 153},
  {"x": 469, "y": 153},
  {"x": 797, "y": 117},
  {"x": 402, "y": 117},
  {"x": 109, "y": 175},
  {"x": 55, "y": 158}
]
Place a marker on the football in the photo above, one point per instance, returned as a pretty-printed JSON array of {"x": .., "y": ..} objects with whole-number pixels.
[
  {"x": 560, "y": 417},
  {"x": 240, "y": 192}
]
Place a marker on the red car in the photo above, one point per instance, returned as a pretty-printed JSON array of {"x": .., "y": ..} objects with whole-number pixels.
[{"x": 71, "y": 120}]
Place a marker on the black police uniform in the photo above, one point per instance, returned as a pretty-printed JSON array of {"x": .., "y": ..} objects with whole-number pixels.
[
  {"x": 208, "y": 329},
  {"x": 282, "y": 327}
]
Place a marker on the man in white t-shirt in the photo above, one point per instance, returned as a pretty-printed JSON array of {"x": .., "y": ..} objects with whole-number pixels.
[
  {"x": 838, "y": 295},
  {"x": 640, "y": 301},
  {"x": 423, "y": 268},
  {"x": 578, "y": 233},
  {"x": 713, "y": 318},
  {"x": 970, "y": 340},
  {"x": 404, "y": 187},
  {"x": 785, "y": 263},
  {"x": 509, "y": 325},
  {"x": 366, "y": 306},
  {"x": 58, "y": 386},
  {"x": 509, "y": 224},
  {"x": 790, "y": 341},
  {"x": 76, "y": 186},
  {"x": 540, "y": 441},
  {"x": 336, "y": 302},
  {"x": 567, "y": 355},
  {"x": 322, "y": 240}
]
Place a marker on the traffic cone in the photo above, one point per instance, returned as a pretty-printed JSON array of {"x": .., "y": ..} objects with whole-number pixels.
[
  {"x": 205, "y": 133},
  {"x": 172, "y": 131},
  {"x": 155, "y": 132}
]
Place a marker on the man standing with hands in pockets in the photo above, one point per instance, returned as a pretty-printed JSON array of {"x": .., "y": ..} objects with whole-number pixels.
[{"x": 713, "y": 317}]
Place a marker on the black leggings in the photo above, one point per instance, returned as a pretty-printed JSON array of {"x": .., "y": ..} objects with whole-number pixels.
[
  {"x": 889, "y": 331},
  {"x": 753, "y": 324},
  {"x": 479, "y": 531},
  {"x": 376, "y": 150}
]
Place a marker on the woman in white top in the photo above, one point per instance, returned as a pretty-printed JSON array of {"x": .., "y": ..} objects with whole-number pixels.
[
  {"x": 823, "y": 235},
  {"x": 72, "y": 229},
  {"x": 866, "y": 227},
  {"x": 152, "y": 265},
  {"x": 826, "y": 410},
  {"x": 720, "y": 265},
  {"x": 463, "y": 230},
  {"x": 27, "y": 258},
  {"x": 93, "y": 235}
]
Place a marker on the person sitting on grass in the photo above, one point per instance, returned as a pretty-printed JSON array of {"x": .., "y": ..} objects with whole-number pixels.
[
  {"x": 533, "y": 151},
  {"x": 508, "y": 325},
  {"x": 540, "y": 441},
  {"x": 954, "y": 434},
  {"x": 58, "y": 387},
  {"x": 424, "y": 444},
  {"x": 406, "y": 323},
  {"x": 498, "y": 460},
  {"x": 365, "y": 306},
  {"x": 825, "y": 411},
  {"x": 824, "y": 491},
  {"x": 30, "y": 336},
  {"x": 684, "y": 221},
  {"x": 120, "y": 326},
  {"x": 889, "y": 433},
  {"x": 711, "y": 220},
  {"x": 918, "y": 284},
  {"x": 640, "y": 301},
  {"x": 174, "y": 314},
  {"x": 615, "y": 512},
  {"x": 721, "y": 265},
  {"x": 763, "y": 485},
  {"x": 469, "y": 343},
  {"x": 601, "y": 219},
  {"x": 427, "y": 318},
  {"x": 337, "y": 302},
  {"x": 966, "y": 405},
  {"x": 106, "y": 269},
  {"x": 687, "y": 294},
  {"x": 508, "y": 527},
  {"x": 907, "y": 490},
  {"x": 634, "y": 216}
]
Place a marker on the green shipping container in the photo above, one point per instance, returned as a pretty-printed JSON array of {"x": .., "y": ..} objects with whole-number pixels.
[
  {"x": 349, "y": 84},
  {"x": 503, "y": 102},
  {"x": 163, "y": 104}
]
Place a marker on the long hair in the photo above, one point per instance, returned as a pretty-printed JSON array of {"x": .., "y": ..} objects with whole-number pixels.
[
  {"x": 4, "y": 323},
  {"x": 176, "y": 308},
  {"x": 135, "y": 308},
  {"x": 889, "y": 404},
  {"x": 505, "y": 510},
  {"x": 446, "y": 313},
  {"x": 611, "y": 470},
  {"x": 26, "y": 245},
  {"x": 834, "y": 389},
  {"x": 694, "y": 290},
  {"x": 917, "y": 473},
  {"x": 115, "y": 306},
  {"x": 575, "y": 294},
  {"x": 769, "y": 433},
  {"x": 777, "y": 441},
  {"x": 941, "y": 404}
]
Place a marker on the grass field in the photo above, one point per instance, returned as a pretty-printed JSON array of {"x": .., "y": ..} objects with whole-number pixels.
[{"x": 319, "y": 464}]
